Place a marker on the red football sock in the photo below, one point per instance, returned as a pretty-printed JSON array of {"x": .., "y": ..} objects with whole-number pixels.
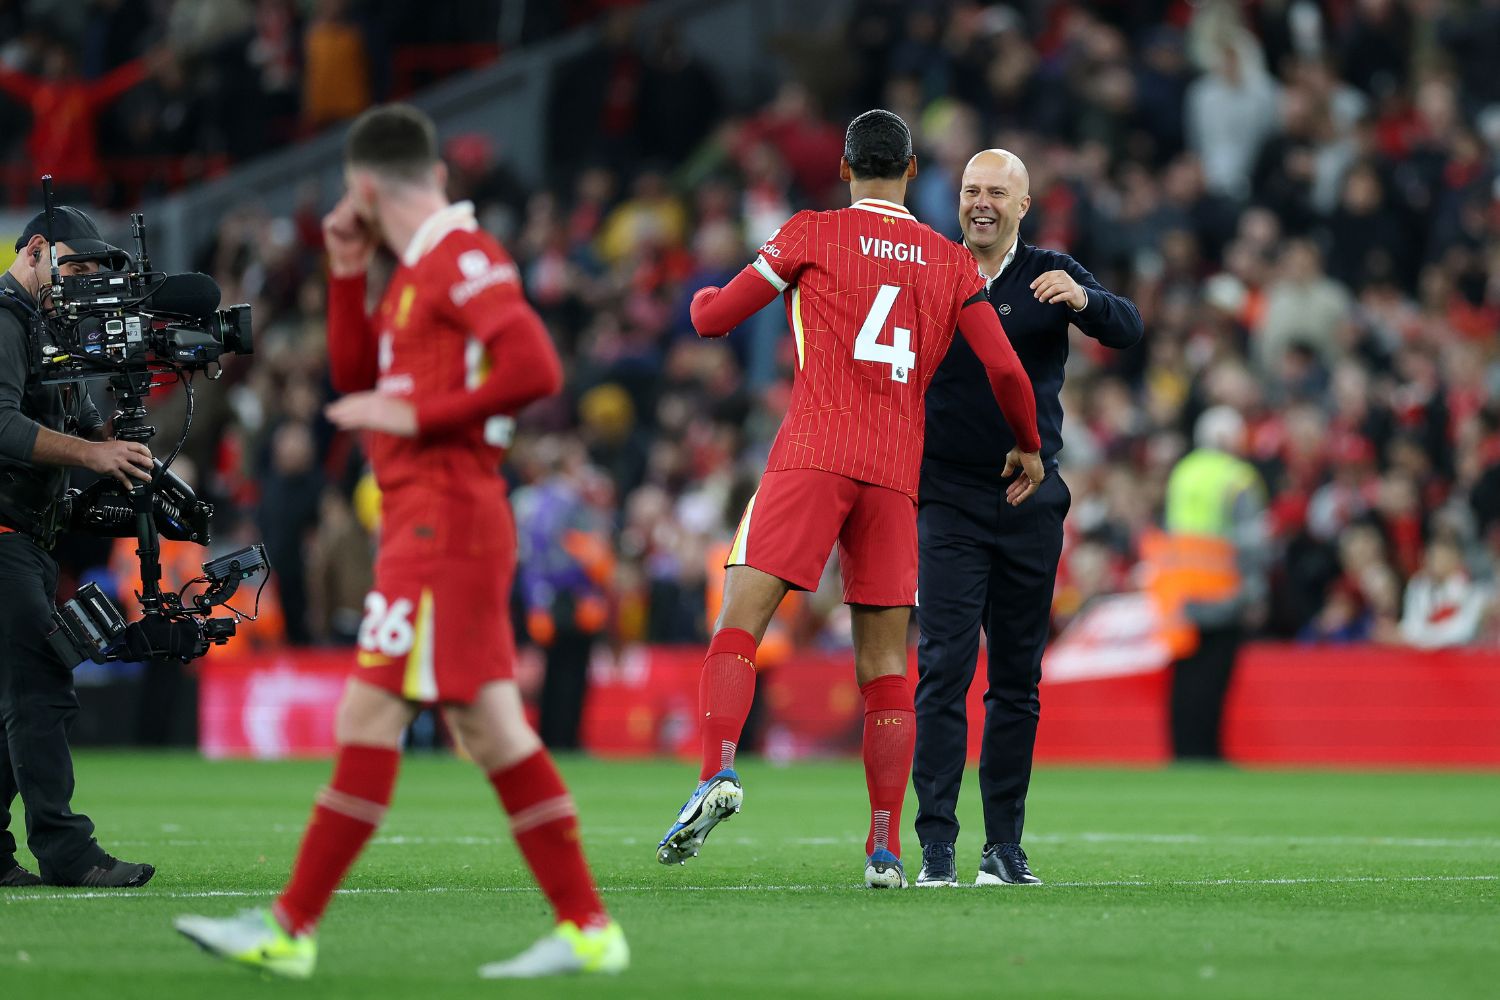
[
  {"x": 545, "y": 826},
  {"x": 345, "y": 815},
  {"x": 890, "y": 738},
  {"x": 725, "y": 691}
]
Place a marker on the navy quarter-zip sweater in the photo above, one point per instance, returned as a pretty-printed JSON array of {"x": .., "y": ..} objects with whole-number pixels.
[{"x": 966, "y": 435}]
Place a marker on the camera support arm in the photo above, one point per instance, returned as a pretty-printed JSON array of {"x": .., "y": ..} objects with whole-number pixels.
[{"x": 129, "y": 389}]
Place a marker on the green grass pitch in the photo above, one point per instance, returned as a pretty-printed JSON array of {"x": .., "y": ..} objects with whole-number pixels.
[{"x": 1173, "y": 883}]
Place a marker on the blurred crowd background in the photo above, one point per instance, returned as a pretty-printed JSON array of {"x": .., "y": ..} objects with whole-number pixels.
[
  {"x": 126, "y": 99},
  {"x": 1302, "y": 198}
]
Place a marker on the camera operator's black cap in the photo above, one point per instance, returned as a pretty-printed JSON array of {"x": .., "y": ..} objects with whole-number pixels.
[{"x": 72, "y": 227}]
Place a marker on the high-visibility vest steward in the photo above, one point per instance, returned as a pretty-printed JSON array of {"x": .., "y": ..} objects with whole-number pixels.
[{"x": 1194, "y": 559}]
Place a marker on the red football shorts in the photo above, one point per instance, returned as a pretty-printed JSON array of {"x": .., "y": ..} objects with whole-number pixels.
[
  {"x": 791, "y": 523},
  {"x": 437, "y": 624}
]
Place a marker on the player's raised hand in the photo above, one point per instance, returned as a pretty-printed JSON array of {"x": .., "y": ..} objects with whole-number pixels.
[
  {"x": 373, "y": 411},
  {"x": 349, "y": 241},
  {"x": 1030, "y": 464},
  {"x": 1059, "y": 286}
]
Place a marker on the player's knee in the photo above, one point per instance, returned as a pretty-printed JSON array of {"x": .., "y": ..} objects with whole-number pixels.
[
  {"x": 751, "y": 598},
  {"x": 872, "y": 667},
  {"x": 493, "y": 751},
  {"x": 746, "y": 615},
  {"x": 370, "y": 717},
  {"x": 493, "y": 739}
]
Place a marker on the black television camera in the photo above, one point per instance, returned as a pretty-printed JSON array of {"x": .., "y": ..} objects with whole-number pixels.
[
  {"x": 140, "y": 329},
  {"x": 126, "y": 318}
]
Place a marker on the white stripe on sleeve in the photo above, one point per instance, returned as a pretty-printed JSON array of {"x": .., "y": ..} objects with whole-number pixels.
[{"x": 764, "y": 267}]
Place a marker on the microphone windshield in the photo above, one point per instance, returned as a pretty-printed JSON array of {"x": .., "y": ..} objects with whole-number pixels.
[{"x": 193, "y": 295}]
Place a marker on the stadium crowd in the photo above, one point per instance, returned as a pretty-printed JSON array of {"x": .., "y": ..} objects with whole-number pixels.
[
  {"x": 128, "y": 98},
  {"x": 1302, "y": 199}
]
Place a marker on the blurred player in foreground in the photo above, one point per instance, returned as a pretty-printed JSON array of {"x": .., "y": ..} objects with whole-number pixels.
[
  {"x": 435, "y": 627},
  {"x": 873, "y": 297}
]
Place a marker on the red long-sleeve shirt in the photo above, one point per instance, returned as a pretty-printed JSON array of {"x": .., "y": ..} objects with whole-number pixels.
[
  {"x": 63, "y": 140},
  {"x": 873, "y": 299},
  {"x": 454, "y": 336}
]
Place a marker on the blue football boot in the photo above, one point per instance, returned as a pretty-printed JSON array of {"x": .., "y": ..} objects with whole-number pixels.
[
  {"x": 883, "y": 871},
  {"x": 714, "y": 801}
]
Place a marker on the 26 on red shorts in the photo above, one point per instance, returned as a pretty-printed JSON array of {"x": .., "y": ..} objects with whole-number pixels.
[
  {"x": 437, "y": 630},
  {"x": 790, "y": 525}
]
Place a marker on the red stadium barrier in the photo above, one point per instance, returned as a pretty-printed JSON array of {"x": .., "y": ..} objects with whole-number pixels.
[
  {"x": 270, "y": 704},
  {"x": 1289, "y": 705},
  {"x": 1365, "y": 705}
]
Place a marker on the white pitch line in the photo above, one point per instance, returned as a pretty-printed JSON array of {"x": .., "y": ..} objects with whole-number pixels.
[
  {"x": 1348, "y": 880},
  {"x": 405, "y": 840},
  {"x": 1231, "y": 838},
  {"x": 25, "y": 897}
]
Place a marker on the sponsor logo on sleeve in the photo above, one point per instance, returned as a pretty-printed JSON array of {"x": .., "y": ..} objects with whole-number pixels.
[{"x": 480, "y": 273}]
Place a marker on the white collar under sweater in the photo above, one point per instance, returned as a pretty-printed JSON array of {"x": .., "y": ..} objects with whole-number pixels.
[{"x": 459, "y": 215}]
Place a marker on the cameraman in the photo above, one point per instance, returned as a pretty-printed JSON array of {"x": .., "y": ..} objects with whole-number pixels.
[{"x": 43, "y": 430}]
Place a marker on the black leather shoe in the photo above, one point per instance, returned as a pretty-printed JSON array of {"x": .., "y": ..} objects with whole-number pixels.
[
  {"x": 16, "y": 877},
  {"x": 938, "y": 867},
  {"x": 1005, "y": 864},
  {"x": 112, "y": 874}
]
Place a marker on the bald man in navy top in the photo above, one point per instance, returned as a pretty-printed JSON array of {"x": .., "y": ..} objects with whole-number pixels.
[{"x": 985, "y": 561}]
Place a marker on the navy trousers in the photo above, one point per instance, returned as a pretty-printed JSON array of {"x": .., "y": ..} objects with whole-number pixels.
[
  {"x": 982, "y": 564},
  {"x": 37, "y": 707}
]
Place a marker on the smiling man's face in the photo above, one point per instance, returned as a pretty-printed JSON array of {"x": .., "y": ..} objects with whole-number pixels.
[{"x": 993, "y": 197}]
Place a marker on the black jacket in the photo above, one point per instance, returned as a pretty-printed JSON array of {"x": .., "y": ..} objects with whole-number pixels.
[
  {"x": 29, "y": 494},
  {"x": 967, "y": 438}
]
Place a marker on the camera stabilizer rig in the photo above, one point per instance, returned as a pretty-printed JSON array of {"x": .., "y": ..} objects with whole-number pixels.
[
  {"x": 140, "y": 330},
  {"x": 91, "y": 625}
]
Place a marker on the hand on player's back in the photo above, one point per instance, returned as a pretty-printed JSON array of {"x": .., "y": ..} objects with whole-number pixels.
[
  {"x": 1030, "y": 464},
  {"x": 349, "y": 241}
]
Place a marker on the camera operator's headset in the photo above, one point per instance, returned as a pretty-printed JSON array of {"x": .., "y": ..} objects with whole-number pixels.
[{"x": 25, "y": 311}]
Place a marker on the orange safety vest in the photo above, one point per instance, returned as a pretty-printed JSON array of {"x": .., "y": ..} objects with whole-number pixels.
[{"x": 1183, "y": 569}]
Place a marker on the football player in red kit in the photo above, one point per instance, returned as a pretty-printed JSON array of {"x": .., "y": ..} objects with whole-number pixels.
[
  {"x": 436, "y": 631},
  {"x": 872, "y": 297}
]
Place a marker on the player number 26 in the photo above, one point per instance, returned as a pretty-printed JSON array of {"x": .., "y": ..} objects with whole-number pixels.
[
  {"x": 867, "y": 346},
  {"x": 386, "y": 627}
]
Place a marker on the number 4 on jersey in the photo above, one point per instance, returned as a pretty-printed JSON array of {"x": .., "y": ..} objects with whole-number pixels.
[{"x": 867, "y": 346}]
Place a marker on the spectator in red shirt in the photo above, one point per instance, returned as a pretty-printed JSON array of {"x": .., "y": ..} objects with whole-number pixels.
[
  {"x": 805, "y": 141},
  {"x": 64, "y": 109}
]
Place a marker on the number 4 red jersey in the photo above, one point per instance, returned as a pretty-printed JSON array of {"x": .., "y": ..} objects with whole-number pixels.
[{"x": 872, "y": 299}]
